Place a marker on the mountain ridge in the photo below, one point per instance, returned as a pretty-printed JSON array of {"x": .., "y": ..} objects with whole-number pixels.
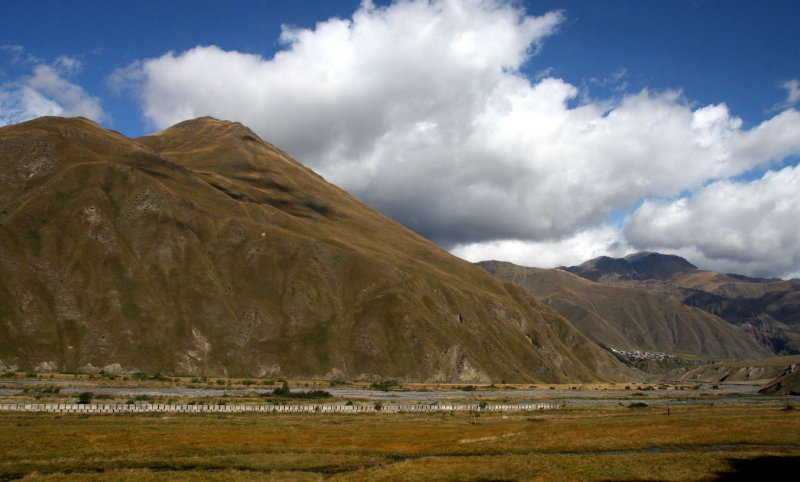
[
  {"x": 632, "y": 318},
  {"x": 204, "y": 250},
  {"x": 768, "y": 310}
]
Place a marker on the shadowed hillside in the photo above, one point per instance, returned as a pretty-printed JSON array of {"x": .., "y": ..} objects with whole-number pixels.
[
  {"x": 632, "y": 318},
  {"x": 768, "y": 309},
  {"x": 203, "y": 249}
]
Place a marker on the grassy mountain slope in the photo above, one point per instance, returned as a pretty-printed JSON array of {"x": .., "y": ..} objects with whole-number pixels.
[
  {"x": 631, "y": 318},
  {"x": 203, "y": 249},
  {"x": 767, "y": 309}
]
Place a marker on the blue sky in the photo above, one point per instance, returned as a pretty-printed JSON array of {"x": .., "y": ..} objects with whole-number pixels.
[{"x": 675, "y": 119}]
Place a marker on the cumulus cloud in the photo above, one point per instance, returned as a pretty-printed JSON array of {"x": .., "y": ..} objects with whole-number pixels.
[
  {"x": 47, "y": 90},
  {"x": 420, "y": 109},
  {"x": 743, "y": 227}
]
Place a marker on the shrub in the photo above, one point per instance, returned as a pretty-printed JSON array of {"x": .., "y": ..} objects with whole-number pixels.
[
  {"x": 385, "y": 385},
  {"x": 282, "y": 390},
  {"x": 85, "y": 397},
  {"x": 637, "y": 405}
]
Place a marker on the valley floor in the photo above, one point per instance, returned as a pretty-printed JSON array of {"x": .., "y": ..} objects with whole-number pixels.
[{"x": 700, "y": 440}]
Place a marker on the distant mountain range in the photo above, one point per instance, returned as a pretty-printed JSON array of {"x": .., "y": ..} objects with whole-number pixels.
[
  {"x": 204, "y": 250},
  {"x": 658, "y": 302}
]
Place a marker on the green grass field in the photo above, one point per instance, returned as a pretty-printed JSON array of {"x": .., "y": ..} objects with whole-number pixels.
[{"x": 695, "y": 442}]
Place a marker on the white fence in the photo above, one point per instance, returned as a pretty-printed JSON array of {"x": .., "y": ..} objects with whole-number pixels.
[{"x": 338, "y": 408}]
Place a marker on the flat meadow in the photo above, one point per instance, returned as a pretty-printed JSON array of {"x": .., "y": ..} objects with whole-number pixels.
[{"x": 700, "y": 440}]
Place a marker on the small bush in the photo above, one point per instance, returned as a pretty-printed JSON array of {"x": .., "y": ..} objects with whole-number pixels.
[
  {"x": 85, "y": 397},
  {"x": 282, "y": 390},
  {"x": 385, "y": 385},
  {"x": 637, "y": 405}
]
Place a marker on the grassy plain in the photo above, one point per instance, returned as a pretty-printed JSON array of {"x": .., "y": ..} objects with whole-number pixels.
[{"x": 695, "y": 442}]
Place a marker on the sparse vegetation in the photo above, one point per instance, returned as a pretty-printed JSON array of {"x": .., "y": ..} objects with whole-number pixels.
[{"x": 696, "y": 442}]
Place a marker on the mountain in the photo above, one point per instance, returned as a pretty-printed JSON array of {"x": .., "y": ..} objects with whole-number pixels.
[
  {"x": 768, "y": 309},
  {"x": 204, "y": 250},
  {"x": 637, "y": 266},
  {"x": 632, "y": 319}
]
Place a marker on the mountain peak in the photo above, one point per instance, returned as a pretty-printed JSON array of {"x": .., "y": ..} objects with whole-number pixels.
[
  {"x": 653, "y": 257},
  {"x": 204, "y": 250},
  {"x": 637, "y": 266}
]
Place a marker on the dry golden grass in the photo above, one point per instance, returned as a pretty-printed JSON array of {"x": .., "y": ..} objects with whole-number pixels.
[{"x": 695, "y": 442}]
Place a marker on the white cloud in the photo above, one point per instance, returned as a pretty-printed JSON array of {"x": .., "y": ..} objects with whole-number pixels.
[
  {"x": 420, "y": 110},
  {"x": 792, "y": 93},
  {"x": 740, "y": 227},
  {"x": 47, "y": 91},
  {"x": 604, "y": 240}
]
